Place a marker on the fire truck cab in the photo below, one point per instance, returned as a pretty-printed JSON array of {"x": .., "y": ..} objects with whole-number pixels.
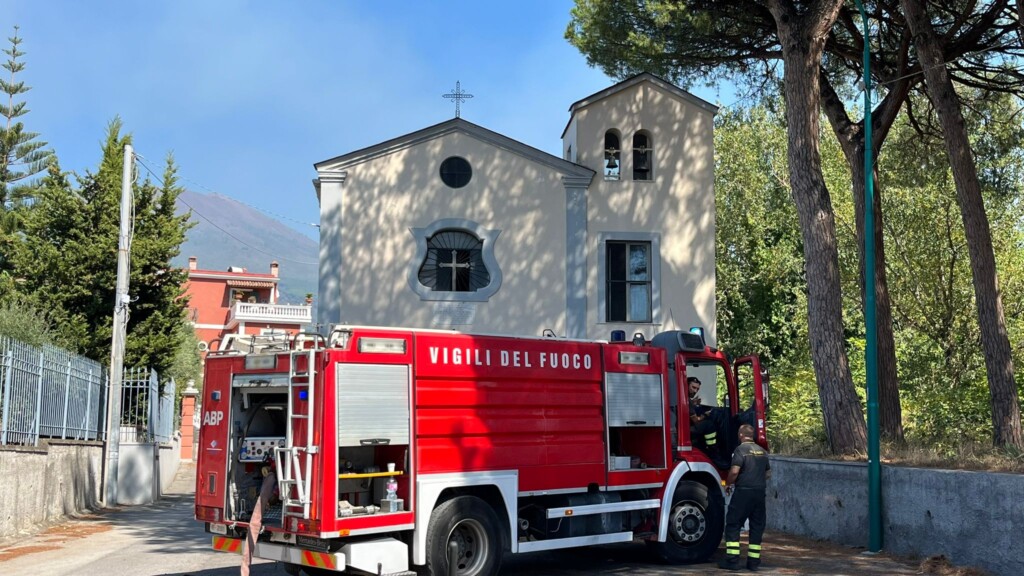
[{"x": 398, "y": 447}]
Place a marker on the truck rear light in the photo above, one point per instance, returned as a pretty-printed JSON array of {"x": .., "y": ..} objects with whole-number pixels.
[
  {"x": 382, "y": 345},
  {"x": 208, "y": 513},
  {"x": 635, "y": 358},
  {"x": 299, "y": 525}
]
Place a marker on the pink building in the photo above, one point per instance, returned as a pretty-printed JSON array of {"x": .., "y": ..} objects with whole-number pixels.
[{"x": 237, "y": 301}]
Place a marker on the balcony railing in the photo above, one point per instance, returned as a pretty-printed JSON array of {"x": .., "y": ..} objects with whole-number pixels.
[{"x": 276, "y": 313}]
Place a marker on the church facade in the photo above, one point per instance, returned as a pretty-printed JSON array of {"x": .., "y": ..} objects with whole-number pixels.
[{"x": 457, "y": 226}]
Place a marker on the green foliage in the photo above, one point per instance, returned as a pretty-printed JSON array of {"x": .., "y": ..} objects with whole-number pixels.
[
  {"x": 704, "y": 40},
  {"x": 22, "y": 156},
  {"x": 760, "y": 285},
  {"x": 944, "y": 389},
  {"x": 69, "y": 259},
  {"x": 22, "y": 319},
  {"x": 759, "y": 253},
  {"x": 187, "y": 363}
]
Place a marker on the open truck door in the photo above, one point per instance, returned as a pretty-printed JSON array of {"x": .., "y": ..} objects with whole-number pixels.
[{"x": 752, "y": 387}]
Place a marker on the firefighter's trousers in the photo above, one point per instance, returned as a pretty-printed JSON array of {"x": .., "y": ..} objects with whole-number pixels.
[{"x": 746, "y": 503}]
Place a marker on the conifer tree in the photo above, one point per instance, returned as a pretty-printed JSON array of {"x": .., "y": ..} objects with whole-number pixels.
[
  {"x": 21, "y": 157},
  {"x": 22, "y": 154},
  {"x": 70, "y": 258}
]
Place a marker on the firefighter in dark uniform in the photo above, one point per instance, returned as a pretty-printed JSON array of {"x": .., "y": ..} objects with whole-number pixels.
[
  {"x": 703, "y": 431},
  {"x": 748, "y": 476}
]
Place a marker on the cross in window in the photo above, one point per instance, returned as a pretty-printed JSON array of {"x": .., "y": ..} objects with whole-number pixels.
[{"x": 454, "y": 265}]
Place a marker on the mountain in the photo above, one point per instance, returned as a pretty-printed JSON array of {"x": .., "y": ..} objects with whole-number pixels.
[{"x": 229, "y": 233}]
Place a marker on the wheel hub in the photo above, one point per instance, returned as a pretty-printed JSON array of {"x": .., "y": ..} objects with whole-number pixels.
[
  {"x": 688, "y": 523},
  {"x": 471, "y": 543}
]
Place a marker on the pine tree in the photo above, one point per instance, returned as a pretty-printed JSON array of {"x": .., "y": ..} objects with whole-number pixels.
[{"x": 22, "y": 155}]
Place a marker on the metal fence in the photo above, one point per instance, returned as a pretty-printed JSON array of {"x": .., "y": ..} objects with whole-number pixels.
[
  {"x": 47, "y": 391},
  {"x": 147, "y": 413}
]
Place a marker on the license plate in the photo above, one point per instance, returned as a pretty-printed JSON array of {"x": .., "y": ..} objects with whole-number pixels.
[{"x": 221, "y": 529}]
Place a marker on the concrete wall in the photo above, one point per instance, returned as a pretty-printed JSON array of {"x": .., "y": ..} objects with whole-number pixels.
[
  {"x": 138, "y": 480},
  {"x": 43, "y": 484},
  {"x": 974, "y": 518},
  {"x": 170, "y": 459}
]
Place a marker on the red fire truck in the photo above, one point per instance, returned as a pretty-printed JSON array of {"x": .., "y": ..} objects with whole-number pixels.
[{"x": 397, "y": 446}]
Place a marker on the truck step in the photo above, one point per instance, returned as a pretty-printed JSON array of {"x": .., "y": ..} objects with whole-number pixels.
[{"x": 575, "y": 542}]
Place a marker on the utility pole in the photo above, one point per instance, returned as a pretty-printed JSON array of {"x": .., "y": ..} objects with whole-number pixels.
[{"x": 121, "y": 301}]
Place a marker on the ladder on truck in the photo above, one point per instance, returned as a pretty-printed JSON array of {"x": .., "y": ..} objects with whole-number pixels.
[{"x": 294, "y": 461}]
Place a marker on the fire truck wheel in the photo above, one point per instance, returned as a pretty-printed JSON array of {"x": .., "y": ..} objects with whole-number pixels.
[
  {"x": 474, "y": 527},
  {"x": 695, "y": 524}
]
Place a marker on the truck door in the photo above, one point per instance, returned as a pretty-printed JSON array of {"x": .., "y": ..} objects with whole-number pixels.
[
  {"x": 752, "y": 385},
  {"x": 214, "y": 446}
]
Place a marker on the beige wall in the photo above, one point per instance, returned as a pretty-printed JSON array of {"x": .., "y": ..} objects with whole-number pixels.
[
  {"x": 379, "y": 194},
  {"x": 678, "y": 203},
  {"x": 384, "y": 197}
]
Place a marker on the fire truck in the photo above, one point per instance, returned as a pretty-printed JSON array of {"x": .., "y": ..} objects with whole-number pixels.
[{"x": 397, "y": 448}]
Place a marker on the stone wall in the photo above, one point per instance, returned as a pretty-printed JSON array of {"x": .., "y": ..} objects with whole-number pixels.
[{"x": 974, "y": 518}]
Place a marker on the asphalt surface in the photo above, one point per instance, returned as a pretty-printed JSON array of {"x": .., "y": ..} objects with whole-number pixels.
[{"x": 164, "y": 540}]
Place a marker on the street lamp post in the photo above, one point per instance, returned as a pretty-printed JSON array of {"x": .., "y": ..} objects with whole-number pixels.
[{"x": 870, "y": 324}]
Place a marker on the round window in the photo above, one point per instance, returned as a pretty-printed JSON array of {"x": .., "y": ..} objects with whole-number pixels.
[{"x": 456, "y": 172}]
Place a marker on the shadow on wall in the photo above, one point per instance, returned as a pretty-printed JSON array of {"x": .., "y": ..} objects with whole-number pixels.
[{"x": 365, "y": 261}]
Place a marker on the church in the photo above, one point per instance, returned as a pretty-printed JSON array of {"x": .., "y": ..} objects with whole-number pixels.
[{"x": 458, "y": 227}]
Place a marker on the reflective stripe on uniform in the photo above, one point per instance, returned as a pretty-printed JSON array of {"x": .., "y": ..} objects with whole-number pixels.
[
  {"x": 732, "y": 548},
  {"x": 753, "y": 551},
  {"x": 710, "y": 438},
  {"x": 225, "y": 544}
]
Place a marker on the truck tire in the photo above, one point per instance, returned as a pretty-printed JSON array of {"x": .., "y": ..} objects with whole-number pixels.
[
  {"x": 473, "y": 525},
  {"x": 695, "y": 524}
]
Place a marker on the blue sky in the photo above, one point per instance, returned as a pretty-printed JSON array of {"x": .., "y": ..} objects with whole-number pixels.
[{"x": 248, "y": 95}]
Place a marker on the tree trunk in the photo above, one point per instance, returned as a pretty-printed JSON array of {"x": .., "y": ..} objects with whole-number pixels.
[
  {"x": 803, "y": 37},
  {"x": 1006, "y": 424},
  {"x": 851, "y": 140}
]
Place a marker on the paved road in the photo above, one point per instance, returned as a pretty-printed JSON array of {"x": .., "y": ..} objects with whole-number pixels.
[{"x": 164, "y": 540}]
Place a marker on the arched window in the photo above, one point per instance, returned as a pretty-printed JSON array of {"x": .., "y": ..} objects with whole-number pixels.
[
  {"x": 643, "y": 156},
  {"x": 612, "y": 155},
  {"x": 454, "y": 263}
]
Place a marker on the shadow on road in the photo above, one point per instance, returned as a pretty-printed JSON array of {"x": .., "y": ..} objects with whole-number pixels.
[{"x": 167, "y": 526}]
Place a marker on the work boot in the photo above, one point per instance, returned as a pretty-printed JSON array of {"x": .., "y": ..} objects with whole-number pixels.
[
  {"x": 753, "y": 564},
  {"x": 730, "y": 562}
]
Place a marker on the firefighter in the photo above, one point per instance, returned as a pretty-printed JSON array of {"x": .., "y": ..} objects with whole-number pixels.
[
  {"x": 748, "y": 479},
  {"x": 702, "y": 427}
]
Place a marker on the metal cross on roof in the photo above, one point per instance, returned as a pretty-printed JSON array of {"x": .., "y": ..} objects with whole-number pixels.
[{"x": 459, "y": 96}]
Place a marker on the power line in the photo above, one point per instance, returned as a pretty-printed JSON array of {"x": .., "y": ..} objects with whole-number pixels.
[{"x": 139, "y": 159}]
